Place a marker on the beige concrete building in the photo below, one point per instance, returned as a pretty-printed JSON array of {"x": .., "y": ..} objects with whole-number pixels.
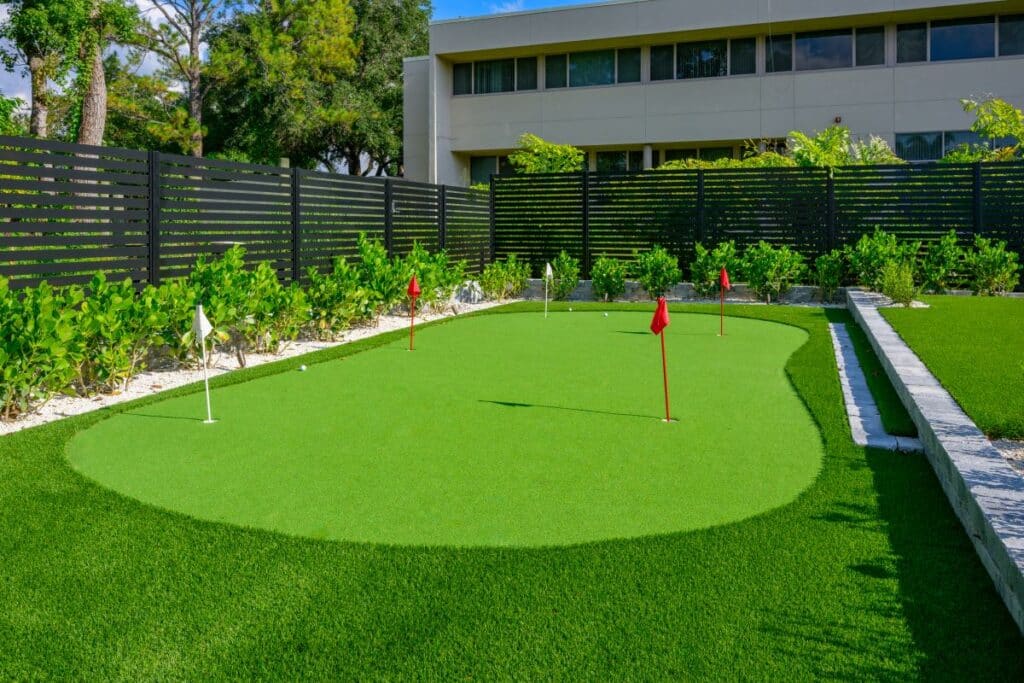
[{"x": 639, "y": 82}]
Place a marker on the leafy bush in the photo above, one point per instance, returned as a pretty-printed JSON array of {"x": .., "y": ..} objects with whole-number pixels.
[
  {"x": 503, "y": 279},
  {"x": 384, "y": 279},
  {"x": 993, "y": 269},
  {"x": 872, "y": 252},
  {"x": 897, "y": 282},
  {"x": 770, "y": 271},
  {"x": 828, "y": 273},
  {"x": 707, "y": 265},
  {"x": 438, "y": 277},
  {"x": 608, "y": 278},
  {"x": 566, "y": 272},
  {"x": 657, "y": 271},
  {"x": 942, "y": 264}
]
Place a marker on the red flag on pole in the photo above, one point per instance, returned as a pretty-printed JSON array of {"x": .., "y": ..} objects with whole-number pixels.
[
  {"x": 723, "y": 285},
  {"x": 658, "y": 325},
  {"x": 413, "y": 291}
]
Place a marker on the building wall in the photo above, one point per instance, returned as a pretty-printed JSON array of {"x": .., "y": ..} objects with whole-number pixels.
[{"x": 415, "y": 109}]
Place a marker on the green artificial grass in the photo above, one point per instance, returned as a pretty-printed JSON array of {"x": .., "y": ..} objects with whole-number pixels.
[
  {"x": 865, "y": 575},
  {"x": 498, "y": 430},
  {"x": 975, "y": 347},
  {"x": 895, "y": 417}
]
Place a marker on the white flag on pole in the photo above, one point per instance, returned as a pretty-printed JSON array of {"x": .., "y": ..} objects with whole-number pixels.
[
  {"x": 548, "y": 273},
  {"x": 202, "y": 329}
]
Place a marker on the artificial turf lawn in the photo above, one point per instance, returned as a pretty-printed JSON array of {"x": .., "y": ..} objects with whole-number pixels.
[
  {"x": 975, "y": 347},
  {"x": 867, "y": 574},
  {"x": 499, "y": 430},
  {"x": 895, "y": 417}
]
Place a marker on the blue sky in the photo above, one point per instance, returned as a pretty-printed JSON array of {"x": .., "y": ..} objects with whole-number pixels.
[{"x": 450, "y": 9}]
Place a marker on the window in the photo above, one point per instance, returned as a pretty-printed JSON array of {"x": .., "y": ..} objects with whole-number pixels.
[
  {"x": 1011, "y": 35},
  {"x": 496, "y": 75},
  {"x": 611, "y": 162},
  {"x": 743, "y": 56},
  {"x": 702, "y": 59},
  {"x": 526, "y": 73},
  {"x": 919, "y": 146},
  {"x": 963, "y": 39},
  {"x": 591, "y": 68},
  {"x": 480, "y": 169},
  {"x": 824, "y": 50},
  {"x": 680, "y": 154},
  {"x": 871, "y": 46},
  {"x": 663, "y": 63},
  {"x": 957, "y": 138},
  {"x": 555, "y": 71},
  {"x": 636, "y": 160},
  {"x": 505, "y": 166},
  {"x": 715, "y": 153},
  {"x": 911, "y": 43},
  {"x": 462, "y": 76},
  {"x": 779, "y": 53},
  {"x": 629, "y": 65}
]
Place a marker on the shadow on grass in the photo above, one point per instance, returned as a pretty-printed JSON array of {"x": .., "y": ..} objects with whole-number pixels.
[
  {"x": 511, "y": 404},
  {"x": 151, "y": 416}
]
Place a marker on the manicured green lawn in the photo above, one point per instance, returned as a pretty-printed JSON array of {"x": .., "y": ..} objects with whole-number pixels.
[
  {"x": 498, "y": 430},
  {"x": 975, "y": 347},
  {"x": 895, "y": 417},
  {"x": 866, "y": 574}
]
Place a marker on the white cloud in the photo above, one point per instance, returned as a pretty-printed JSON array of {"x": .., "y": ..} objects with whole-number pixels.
[{"x": 507, "y": 6}]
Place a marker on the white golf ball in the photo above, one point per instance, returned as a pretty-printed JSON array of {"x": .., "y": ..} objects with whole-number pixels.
[
  {"x": 302, "y": 368},
  {"x": 570, "y": 309},
  {"x": 606, "y": 315}
]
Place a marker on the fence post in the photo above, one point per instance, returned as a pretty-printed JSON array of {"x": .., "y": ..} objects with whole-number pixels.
[
  {"x": 700, "y": 205},
  {"x": 153, "y": 173},
  {"x": 296, "y": 226},
  {"x": 492, "y": 236},
  {"x": 979, "y": 201},
  {"x": 586, "y": 224},
  {"x": 442, "y": 217},
  {"x": 389, "y": 219},
  {"x": 830, "y": 210}
]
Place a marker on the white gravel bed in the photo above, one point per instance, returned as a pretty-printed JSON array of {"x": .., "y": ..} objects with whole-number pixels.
[
  {"x": 1013, "y": 451},
  {"x": 155, "y": 381}
]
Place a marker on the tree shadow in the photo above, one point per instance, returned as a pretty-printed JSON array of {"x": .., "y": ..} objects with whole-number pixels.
[{"x": 512, "y": 404}]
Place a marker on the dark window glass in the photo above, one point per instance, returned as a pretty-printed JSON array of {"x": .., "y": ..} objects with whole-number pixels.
[
  {"x": 480, "y": 169},
  {"x": 824, "y": 50},
  {"x": 554, "y": 71},
  {"x": 871, "y": 46},
  {"x": 526, "y": 73},
  {"x": 636, "y": 160},
  {"x": 462, "y": 75},
  {"x": 702, "y": 59},
  {"x": 715, "y": 153},
  {"x": 663, "y": 62},
  {"x": 629, "y": 65},
  {"x": 496, "y": 75},
  {"x": 1011, "y": 35},
  {"x": 504, "y": 166},
  {"x": 963, "y": 39},
  {"x": 779, "y": 53},
  {"x": 919, "y": 146},
  {"x": 911, "y": 43},
  {"x": 958, "y": 138},
  {"x": 743, "y": 56},
  {"x": 679, "y": 154},
  {"x": 591, "y": 68},
  {"x": 611, "y": 162}
]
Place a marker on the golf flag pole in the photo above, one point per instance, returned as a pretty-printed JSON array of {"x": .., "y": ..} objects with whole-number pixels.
[
  {"x": 202, "y": 328},
  {"x": 413, "y": 291},
  {"x": 658, "y": 325},
  {"x": 723, "y": 286},
  {"x": 548, "y": 276}
]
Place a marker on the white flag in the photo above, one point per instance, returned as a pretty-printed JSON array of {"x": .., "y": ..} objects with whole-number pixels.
[
  {"x": 548, "y": 273},
  {"x": 200, "y": 325}
]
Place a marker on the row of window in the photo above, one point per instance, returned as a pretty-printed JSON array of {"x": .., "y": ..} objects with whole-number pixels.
[
  {"x": 932, "y": 146},
  {"x": 973, "y": 38}
]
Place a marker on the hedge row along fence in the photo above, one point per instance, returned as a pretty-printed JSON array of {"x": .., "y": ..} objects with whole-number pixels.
[
  {"x": 68, "y": 211},
  {"x": 811, "y": 210}
]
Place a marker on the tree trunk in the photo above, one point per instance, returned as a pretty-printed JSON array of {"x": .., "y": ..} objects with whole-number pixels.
[
  {"x": 37, "y": 126},
  {"x": 94, "y": 103},
  {"x": 353, "y": 162},
  {"x": 195, "y": 112}
]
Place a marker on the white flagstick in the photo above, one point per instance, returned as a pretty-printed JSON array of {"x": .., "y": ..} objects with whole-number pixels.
[
  {"x": 202, "y": 327},
  {"x": 206, "y": 381},
  {"x": 547, "y": 278}
]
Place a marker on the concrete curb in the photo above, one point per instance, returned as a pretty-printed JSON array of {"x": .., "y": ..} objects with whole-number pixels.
[{"x": 985, "y": 492}]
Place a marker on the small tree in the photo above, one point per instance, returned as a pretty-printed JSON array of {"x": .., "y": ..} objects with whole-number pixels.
[
  {"x": 657, "y": 271},
  {"x": 536, "y": 155},
  {"x": 770, "y": 271}
]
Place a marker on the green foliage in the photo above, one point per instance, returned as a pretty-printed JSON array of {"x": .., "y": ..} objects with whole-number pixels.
[
  {"x": 770, "y": 271},
  {"x": 943, "y": 264},
  {"x": 997, "y": 120},
  {"x": 993, "y": 269},
  {"x": 437, "y": 276},
  {"x": 828, "y": 273},
  {"x": 707, "y": 265},
  {"x": 384, "y": 279},
  {"x": 10, "y": 124},
  {"x": 335, "y": 299},
  {"x": 536, "y": 155},
  {"x": 873, "y": 252},
  {"x": 762, "y": 160},
  {"x": 829, "y": 148},
  {"x": 608, "y": 278},
  {"x": 874, "y": 152},
  {"x": 897, "y": 282},
  {"x": 566, "y": 272},
  {"x": 503, "y": 279},
  {"x": 657, "y": 271}
]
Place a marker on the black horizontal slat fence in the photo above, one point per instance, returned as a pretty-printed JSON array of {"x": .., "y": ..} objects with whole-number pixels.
[
  {"x": 810, "y": 209},
  {"x": 68, "y": 211}
]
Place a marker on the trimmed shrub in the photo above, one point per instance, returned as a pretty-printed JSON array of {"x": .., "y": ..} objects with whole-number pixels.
[
  {"x": 707, "y": 265},
  {"x": 770, "y": 271},
  {"x": 828, "y": 274},
  {"x": 438, "y": 277},
  {"x": 943, "y": 264},
  {"x": 503, "y": 279},
  {"x": 994, "y": 270},
  {"x": 657, "y": 271},
  {"x": 566, "y": 272},
  {"x": 608, "y": 278},
  {"x": 897, "y": 282},
  {"x": 872, "y": 252},
  {"x": 384, "y": 279}
]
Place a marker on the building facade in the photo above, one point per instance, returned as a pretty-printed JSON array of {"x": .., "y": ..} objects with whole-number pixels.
[{"x": 641, "y": 82}]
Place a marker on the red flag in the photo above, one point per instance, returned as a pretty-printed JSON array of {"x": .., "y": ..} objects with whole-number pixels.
[
  {"x": 414, "y": 288},
  {"x": 660, "y": 320},
  {"x": 723, "y": 280}
]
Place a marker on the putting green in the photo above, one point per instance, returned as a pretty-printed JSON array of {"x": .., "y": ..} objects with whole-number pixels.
[{"x": 498, "y": 430}]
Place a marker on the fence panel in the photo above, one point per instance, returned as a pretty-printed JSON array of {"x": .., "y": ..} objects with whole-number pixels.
[
  {"x": 206, "y": 206},
  {"x": 333, "y": 210},
  {"x": 536, "y": 216},
  {"x": 467, "y": 226},
  {"x": 415, "y": 215},
  {"x": 67, "y": 211},
  {"x": 1002, "y": 203}
]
